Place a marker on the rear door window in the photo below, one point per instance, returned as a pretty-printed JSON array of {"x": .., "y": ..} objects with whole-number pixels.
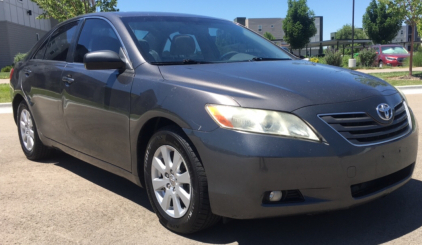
[
  {"x": 96, "y": 34},
  {"x": 59, "y": 43}
]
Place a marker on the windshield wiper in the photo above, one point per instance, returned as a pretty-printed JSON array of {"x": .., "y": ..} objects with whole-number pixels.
[
  {"x": 264, "y": 59},
  {"x": 183, "y": 62}
]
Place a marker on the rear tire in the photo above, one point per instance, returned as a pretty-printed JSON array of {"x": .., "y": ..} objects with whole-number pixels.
[
  {"x": 163, "y": 180},
  {"x": 31, "y": 144}
]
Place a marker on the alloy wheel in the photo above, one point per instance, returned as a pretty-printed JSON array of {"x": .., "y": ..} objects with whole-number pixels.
[
  {"x": 27, "y": 130},
  {"x": 171, "y": 181}
]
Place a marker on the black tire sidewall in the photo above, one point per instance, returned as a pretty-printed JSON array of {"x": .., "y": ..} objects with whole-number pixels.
[{"x": 187, "y": 222}]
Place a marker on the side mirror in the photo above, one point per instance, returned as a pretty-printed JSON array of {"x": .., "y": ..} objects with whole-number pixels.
[{"x": 103, "y": 60}]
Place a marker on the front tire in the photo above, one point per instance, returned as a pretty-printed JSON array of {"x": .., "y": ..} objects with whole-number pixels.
[
  {"x": 176, "y": 183},
  {"x": 380, "y": 64},
  {"x": 31, "y": 144}
]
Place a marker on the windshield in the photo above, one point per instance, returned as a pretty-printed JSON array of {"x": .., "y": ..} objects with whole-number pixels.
[
  {"x": 394, "y": 50},
  {"x": 191, "y": 40}
]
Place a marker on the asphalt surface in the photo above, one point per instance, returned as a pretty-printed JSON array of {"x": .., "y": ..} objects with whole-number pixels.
[{"x": 67, "y": 201}]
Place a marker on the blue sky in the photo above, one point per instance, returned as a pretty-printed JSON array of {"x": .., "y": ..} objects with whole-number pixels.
[{"x": 336, "y": 13}]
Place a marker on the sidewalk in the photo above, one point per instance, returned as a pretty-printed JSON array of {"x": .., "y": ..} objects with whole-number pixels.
[
  {"x": 2, "y": 81},
  {"x": 388, "y": 70}
]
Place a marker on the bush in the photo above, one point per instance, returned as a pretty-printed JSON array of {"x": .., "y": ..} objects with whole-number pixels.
[
  {"x": 345, "y": 60},
  {"x": 321, "y": 60},
  {"x": 417, "y": 60},
  {"x": 367, "y": 57},
  {"x": 19, "y": 57},
  {"x": 333, "y": 58},
  {"x": 314, "y": 59},
  {"x": 6, "y": 69}
]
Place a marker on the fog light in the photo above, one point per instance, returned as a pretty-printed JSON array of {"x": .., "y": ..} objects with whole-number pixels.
[{"x": 275, "y": 196}]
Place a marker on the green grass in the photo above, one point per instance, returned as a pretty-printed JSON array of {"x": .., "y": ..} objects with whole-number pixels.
[
  {"x": 402, "y": 82},
  {"x": 4, "y": 75},
  {"x": 4, "y": 93}
]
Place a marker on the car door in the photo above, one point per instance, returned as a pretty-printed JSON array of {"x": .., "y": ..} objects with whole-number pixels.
[
  {"x": 42, "y": 81},
  {"x": 96, "y": 103}
]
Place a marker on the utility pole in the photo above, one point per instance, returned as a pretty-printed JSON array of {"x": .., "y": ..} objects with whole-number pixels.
[
  {"x": 353, "y": 26},
  {"x": 352, "y": 61}
]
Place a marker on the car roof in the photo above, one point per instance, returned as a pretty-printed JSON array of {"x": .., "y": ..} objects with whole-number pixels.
[{"x": 137, "y": 14}]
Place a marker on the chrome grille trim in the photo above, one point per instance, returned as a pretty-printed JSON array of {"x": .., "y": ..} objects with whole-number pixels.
[{"x": 360, "y": 129}]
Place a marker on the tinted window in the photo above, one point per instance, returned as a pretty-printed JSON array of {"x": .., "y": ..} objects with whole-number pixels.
[
  {"x": 60, "y": 41},
  {"x": 96, "y": 35},
  {"x": 41, "y": 52},
  {"x": 176, "y": 39}
]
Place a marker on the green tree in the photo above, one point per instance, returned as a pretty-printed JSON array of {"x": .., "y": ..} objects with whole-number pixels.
[
  {"x": 65, "y": 9},
  {"x": 269, "y": 36},
  {"x": 379, "y": 25},
  {"x": 411, "y": 12},
  {"x": 346, "y": 33},
  {"x": 298, "y": 26}
]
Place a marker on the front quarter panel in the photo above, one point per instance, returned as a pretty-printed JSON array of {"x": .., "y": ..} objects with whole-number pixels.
[{"x": 153, "y": 97}]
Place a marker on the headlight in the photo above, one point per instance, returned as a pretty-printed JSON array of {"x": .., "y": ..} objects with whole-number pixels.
[
  {"x": 390, "y": 58},
  {"x": 261, "y": 121}
]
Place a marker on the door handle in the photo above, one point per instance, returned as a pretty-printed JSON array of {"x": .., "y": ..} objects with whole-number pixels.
[
  {"x": 27, "y": 72},
  {"x": 68, "y": 79}
]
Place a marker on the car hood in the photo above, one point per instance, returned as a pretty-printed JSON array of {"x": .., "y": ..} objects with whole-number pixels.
[{"x": 278, "y": 85}]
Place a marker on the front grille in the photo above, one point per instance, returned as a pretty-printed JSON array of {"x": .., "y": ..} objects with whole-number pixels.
[
  {"x": 360, "y": 129},
  {"x": 366, "y": 188}
]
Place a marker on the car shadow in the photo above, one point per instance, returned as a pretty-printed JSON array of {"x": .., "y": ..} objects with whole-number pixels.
[
  {"x": 376, "y": 222},
  {"x": 373, "y": 223},
  {"x": 100, "y": 177}
]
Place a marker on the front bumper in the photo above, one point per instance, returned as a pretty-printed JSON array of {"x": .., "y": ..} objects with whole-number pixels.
[
  {"x": 241, "y": 167},
  {"x": 393, "y": 62}
]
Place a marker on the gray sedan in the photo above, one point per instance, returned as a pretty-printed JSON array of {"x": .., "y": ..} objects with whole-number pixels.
[{"x": 211, "y": 118}]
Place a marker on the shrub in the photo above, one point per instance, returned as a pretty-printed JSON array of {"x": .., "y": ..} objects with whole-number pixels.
[
  {"x": 333, "y": 58},
  {"x": 417, "y": 60},
  {"x": 19, "y": 57},
  {"x": 367, "y": 57},
  {"x": 6, "y": 69},
  {"x": 314, "y": 59},
  {"x": 321, "y": 60},
  {"x": 345, "y": 60}
]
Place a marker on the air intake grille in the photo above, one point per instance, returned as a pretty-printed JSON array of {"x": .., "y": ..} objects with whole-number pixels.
[{"x": 361, "y": 129}]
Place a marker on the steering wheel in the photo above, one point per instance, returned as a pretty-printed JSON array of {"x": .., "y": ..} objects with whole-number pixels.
[{"x": 228, "y": 55}]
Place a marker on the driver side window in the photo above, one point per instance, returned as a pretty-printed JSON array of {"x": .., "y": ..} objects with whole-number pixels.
[{"x": 96, "y": 35}]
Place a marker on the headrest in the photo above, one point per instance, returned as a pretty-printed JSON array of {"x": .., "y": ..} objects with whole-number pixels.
[{"x": 183, "y": 45}]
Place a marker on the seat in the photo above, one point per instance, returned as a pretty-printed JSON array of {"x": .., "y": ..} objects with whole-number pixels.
[
  {"x": 182, "y": 46},
  {"x": 147, "y": 53}
]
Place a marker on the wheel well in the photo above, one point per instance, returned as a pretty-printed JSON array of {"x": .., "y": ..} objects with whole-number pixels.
[
  {"x": 149, "y": 128},
  {"x": 15, "y": 104}
]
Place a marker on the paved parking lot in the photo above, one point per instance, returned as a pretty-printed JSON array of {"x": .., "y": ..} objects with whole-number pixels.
[{"x": 67, "y": 201}]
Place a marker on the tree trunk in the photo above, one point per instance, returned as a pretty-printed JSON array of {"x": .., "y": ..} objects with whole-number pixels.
[{"x": 411, "y": 49}]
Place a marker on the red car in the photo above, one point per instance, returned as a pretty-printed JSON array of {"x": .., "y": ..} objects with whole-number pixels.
[{"x": 392, "y": 55}]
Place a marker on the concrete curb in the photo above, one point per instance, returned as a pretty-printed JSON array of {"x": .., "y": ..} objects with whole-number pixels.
[
  {"x": 3, "y": 105},
  {"x": 410, "y": 87}
]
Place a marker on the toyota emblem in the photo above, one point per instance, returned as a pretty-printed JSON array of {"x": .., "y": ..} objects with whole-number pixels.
[{"x": 385, "y": 112}]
